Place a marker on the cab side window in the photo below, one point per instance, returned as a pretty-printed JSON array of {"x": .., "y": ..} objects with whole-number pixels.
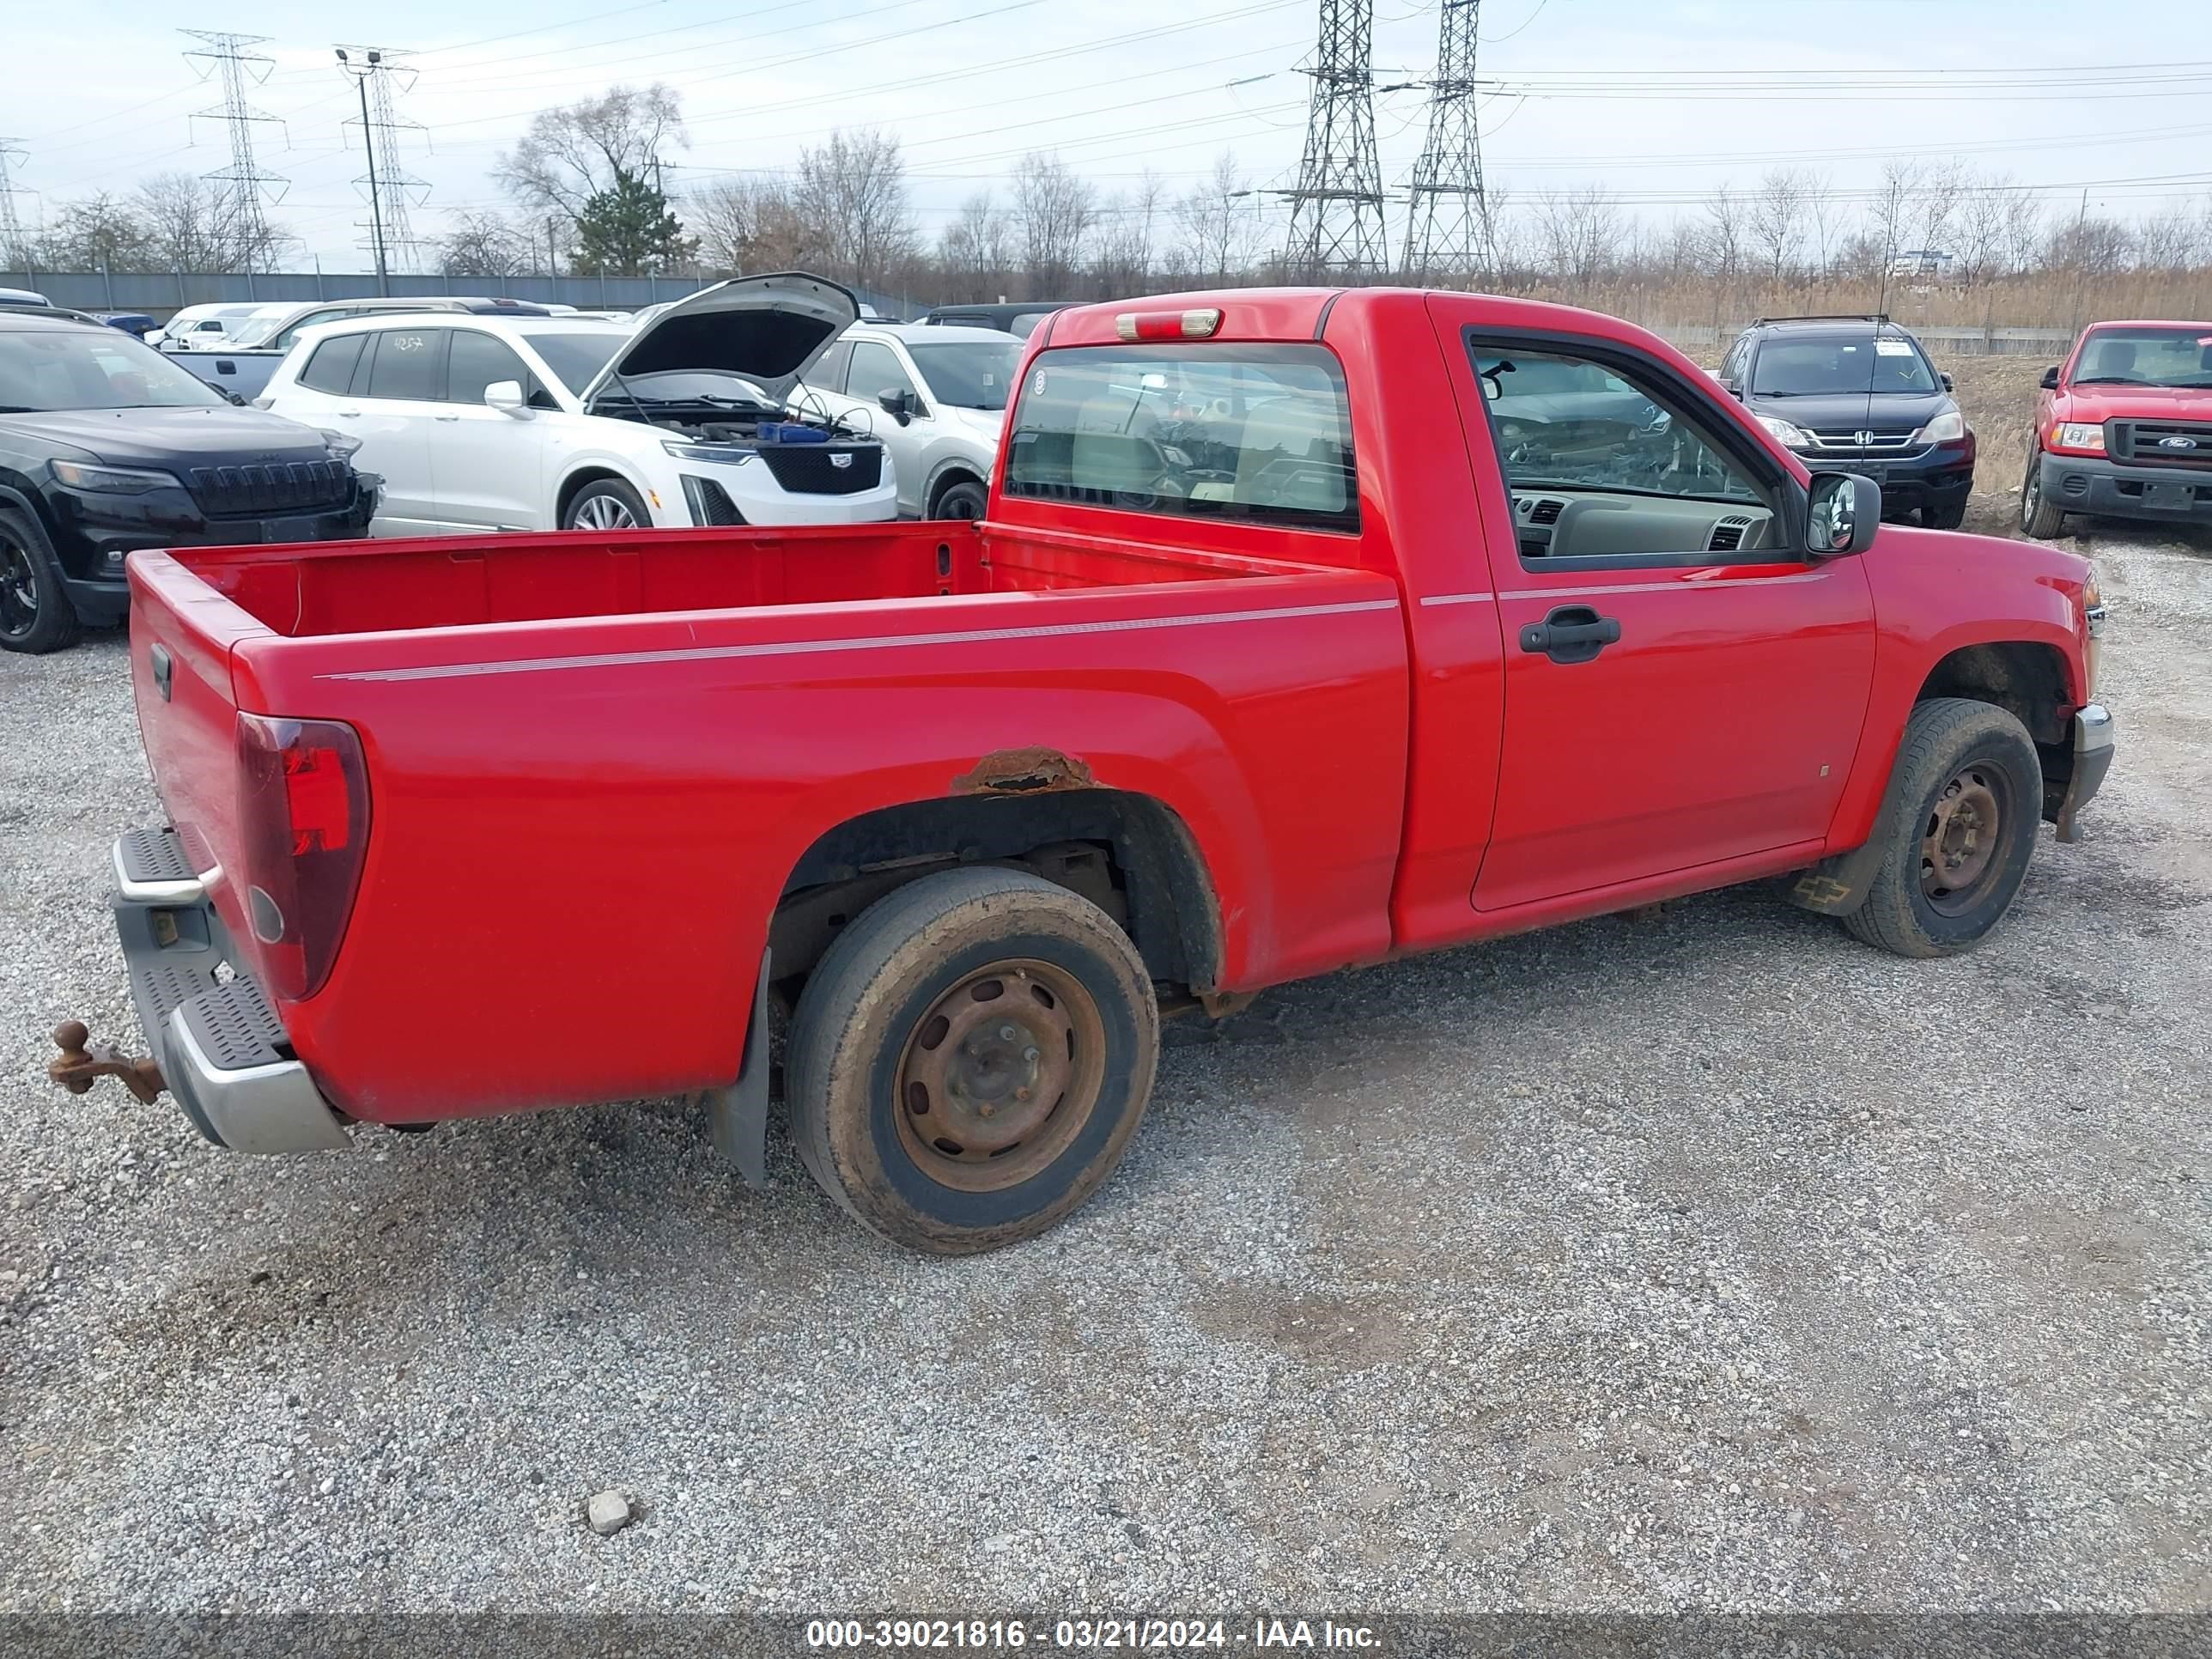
[
  {"x": 876, "y": 370},
  {"x": 476, "y": 361},
  {"x": 1605, "y": 465}
]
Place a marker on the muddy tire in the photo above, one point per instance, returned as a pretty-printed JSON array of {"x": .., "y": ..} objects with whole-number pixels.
[
  {"x": 2040, "y": 516},
  {"x": 1957, "y": 829},
  {"x": 35, "y": 612},
  {"x": 969, "y": 1059},
  {"x": 962, "y": 501}
]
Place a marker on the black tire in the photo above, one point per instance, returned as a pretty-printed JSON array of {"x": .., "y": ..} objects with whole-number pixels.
[
  {"x": 35, "y": 612},
  {"x": 608, "y": 500},
  {"x": 962, "y": 501},
  {"x": 1945, "y": 518},
  {"x": 1958, "y": 757},
  {"x": 899, "y": 1003},
  {"x": 2038, "y": 517}
]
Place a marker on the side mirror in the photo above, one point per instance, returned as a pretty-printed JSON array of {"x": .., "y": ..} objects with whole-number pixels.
[
  {"x": 2050, "y": 380},
  {"x": 1949, "y": 385},
  {"x": 899, "y": 403},
  {"x": 506, "y": 397},
  {"x": 1734, "y": 388},
  {"x": 1844, "y": 512}
]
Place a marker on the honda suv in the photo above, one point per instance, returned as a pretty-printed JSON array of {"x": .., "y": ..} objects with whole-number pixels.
[{"x": 1858, "y": 394}]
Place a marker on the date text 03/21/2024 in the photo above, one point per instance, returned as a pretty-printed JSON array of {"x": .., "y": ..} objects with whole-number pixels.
[{"x": 1137, "y": 1634}]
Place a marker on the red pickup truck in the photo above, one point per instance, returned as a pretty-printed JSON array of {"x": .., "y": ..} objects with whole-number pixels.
[
  {"x": 1305, "y": 629},
  {"x": 2124, "y": 429}
]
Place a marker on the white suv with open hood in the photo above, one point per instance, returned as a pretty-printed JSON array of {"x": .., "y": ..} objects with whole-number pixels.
[{"x": 481, "y": 423}]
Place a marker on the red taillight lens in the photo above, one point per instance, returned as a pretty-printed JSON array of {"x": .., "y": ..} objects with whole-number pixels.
[{"x": 303, "y": 818}]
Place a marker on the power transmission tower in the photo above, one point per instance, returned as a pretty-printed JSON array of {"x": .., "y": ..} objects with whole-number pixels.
[
  {"x": 242, "y": 225},
  {"x": 387, "y": 182},
  {"x": 1449, "y": 233},
  {"x": 11, "y": 222},
  {"x": 1336, "y": 211}
]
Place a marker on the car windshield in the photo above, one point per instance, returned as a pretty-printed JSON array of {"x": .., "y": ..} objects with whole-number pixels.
[
  {"x": 688, "y": 386},
  {"x": 969, "y": 373},
  {"x": 256, "y": 328},
  {"x": 2147, "y": 356},
  {"x": 91, "y": 368},
  {"x": 1832, "y": 364},
  {"x": 576, "y": 355}
]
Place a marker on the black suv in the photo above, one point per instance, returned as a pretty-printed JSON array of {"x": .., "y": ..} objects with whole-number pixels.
[
  {"x": 107, "y": 446},
  {"x": 1858, "y": 394}
]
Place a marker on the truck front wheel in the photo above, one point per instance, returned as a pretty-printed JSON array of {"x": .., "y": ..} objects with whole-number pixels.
[
  {"x": 1957, "y": 831},
  {"x": 2040, "y": 516},
  {"x": 971, "y": 1058}
]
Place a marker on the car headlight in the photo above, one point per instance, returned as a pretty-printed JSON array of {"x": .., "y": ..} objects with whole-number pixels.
[
  {"x": 1794, "y": 436},
  {"x": 113, "y": 480},
  {"x": 1947, "y": 428},
  {"x": 343, "y": 445},
  {"x": 2078, "y": 434},
  {"x": 720, "y": 454}
]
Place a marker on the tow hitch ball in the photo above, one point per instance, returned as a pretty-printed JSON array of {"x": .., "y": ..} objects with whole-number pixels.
[{"x": 82, "y": 1062}]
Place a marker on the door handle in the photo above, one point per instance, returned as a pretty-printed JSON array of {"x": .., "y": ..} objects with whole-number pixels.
[
  {"x": 445, "y": 417},
  {"x": 347, "y": 414},
  {"x": 1571, "y": 634}
]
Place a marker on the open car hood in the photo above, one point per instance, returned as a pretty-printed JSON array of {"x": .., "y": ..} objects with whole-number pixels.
[{"x": 768, "y": 330}]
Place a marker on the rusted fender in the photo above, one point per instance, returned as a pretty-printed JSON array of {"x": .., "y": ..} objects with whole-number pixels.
[{"x": 1025, "y": 772}]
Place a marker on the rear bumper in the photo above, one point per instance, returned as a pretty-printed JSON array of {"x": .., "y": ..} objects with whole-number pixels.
[
  {"x": 222, "y": 1050},
  {"x": 2117, "y": 490}
]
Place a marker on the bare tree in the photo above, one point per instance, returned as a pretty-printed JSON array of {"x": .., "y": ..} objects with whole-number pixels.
[
  {"x": 2089, "y": 246},
  {"x": 572, "y": 153},
  {"x": 852, "y": 194},
  {"x": 1725, "y": 233},
  {"x": 1822, "y": 208},
  {"x": 747, "y": 223},
  {"x": 1890, "y": 208},
  {"x": 485, "y": 245},
  {"x": 101, "y": 232},
  {"x": 1943, "y": 188},
  {"x": 1580, "y": 230},
  {"x": 1776, "y": 221},
  {"x": 1219, "y": 231},
  {"x": 1056, "y": 209},
  {"x": 191, "y": 225},
  {"x": 2173, "y": 241},
  {"x": 1980, "y": 224},
  {"x": 976, "y": 250}
]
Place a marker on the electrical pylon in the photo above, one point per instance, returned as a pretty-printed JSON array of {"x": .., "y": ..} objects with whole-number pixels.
[
  {"x": 245, "y": 183},
  {"x": 1337, "y": 232},
  {"x": 1449, "y": 236}
]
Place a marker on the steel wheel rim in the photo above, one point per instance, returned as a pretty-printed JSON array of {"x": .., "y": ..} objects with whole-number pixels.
[
  {"x": 2031, "y": 494},
  {"x": 19, "y": 591},
  {"x": 605, "y": 513},
  {"x": 1962, "y": 838},
  {"x": 980, "y": 1110}
]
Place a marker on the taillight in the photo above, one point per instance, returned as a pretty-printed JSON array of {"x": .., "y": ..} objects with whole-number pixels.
[{"x": 303, "y": 818}]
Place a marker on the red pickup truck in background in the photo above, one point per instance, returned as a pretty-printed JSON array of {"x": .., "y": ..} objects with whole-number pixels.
[
  {"x": 1304, "y": 629},
  {"x": 2124, "y": 429}
]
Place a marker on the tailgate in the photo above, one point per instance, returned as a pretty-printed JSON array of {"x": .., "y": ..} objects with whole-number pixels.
[{"x": 182, "y": 631}]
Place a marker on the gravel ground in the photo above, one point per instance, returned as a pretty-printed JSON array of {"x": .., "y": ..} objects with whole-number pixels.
[{"x": 1709, "y": 1260}]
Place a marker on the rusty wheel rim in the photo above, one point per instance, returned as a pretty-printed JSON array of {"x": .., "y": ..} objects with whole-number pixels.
[
  {"x": 1000, "y": 1075},
  {"x": 1964, "y": 833}
]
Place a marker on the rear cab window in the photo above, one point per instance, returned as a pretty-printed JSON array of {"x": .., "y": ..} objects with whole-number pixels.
[{"x": 1260, "y": 433}]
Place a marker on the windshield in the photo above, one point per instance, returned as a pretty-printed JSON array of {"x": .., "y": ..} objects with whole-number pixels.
[
  {"x": 575, "y": 357},
  {"x": 1830, "y": 365},
  {"x": 686, "y": 385},
  {"x": 969, "y": 373},
  {"x": 91, "y": 368},
  {"x": 256, "y": 329},
  {"x": 2147, "y": 356}
]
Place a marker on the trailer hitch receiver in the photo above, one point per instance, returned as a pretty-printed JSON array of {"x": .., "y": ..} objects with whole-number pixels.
[{"x": 82, "y": 1062}]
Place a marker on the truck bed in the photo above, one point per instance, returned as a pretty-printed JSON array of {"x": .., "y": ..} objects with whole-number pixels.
[
  {"x": 385, "y": 587},
  {"x": 626, "y": 746}
]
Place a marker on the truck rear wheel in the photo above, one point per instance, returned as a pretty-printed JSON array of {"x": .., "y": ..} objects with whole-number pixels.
[
  {"x": 1957, "y": 831},
  {"x": 969, "y": 1059}
]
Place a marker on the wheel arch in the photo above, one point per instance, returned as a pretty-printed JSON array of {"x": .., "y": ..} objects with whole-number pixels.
[
  {"x": 1128, "y": 852},
  {"x": 952, "y": 471},
  {"x": 21, "y": 494},
  {"x": 585, "y": 473}
]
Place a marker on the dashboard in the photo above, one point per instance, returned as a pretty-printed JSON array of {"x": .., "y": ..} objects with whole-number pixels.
[{"x": 1569, "y": 524}]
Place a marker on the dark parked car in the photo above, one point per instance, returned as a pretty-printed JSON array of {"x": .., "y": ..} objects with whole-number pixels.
[
  {"x": 137, "y": 324},
  {"x": 1018, "y": 318},
  {"x": 106, "y": 446},
  {"x": 1859, "y": 394}
]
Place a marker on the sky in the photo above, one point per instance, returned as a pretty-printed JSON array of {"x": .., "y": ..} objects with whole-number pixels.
[{"x": 1658, "y": 102}]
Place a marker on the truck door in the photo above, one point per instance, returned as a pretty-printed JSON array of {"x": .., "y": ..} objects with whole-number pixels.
[{"x": 1683, "y": 685}]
